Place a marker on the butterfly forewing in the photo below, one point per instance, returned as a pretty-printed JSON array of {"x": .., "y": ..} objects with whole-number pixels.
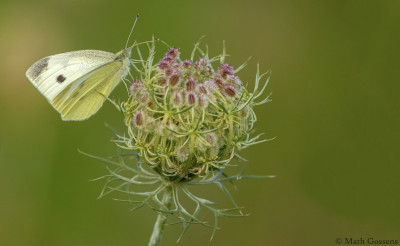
[
  {"x": 52, "y": 74},
  {"x": 77, "y": 83}
]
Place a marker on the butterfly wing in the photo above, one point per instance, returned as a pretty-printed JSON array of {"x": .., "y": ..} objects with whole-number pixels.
[
  {"x": 77, "y": 83},
  {"x": 53, "y": 74},
  {"x": 82, "y": 101}
]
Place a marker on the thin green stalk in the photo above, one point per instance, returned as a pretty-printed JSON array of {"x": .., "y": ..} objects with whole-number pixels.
[{"x": 158, "y": 229}]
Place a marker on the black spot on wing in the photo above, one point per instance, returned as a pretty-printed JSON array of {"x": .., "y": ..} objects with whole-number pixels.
[
  {"x": 40, "y": 67},
  {"x": 61, "y": 78}
]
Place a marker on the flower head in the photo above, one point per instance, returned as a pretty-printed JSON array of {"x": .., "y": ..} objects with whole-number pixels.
[
  {"x": 186, "y": 122},
  {"x": 197, "y": 110}
]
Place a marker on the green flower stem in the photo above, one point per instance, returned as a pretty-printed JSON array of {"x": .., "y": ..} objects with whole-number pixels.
[{"x": 158, "y": 229}]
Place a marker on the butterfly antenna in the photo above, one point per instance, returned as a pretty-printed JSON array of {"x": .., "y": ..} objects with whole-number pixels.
[
  {"x": 148, "y": 42},
  {"x": 133, "y": 27}
]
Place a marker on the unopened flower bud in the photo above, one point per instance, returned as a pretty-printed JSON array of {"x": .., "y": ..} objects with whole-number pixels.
[
  {"x": 203, "y": 101},
  {"x": 202, "y": 62},
  {"x": 144, "y": 97},
  {"x": 186, "y": 121},
  {"x": 244, "y": 113},
  {"x": 138, "y": 118},
  {"x": 234, "y": 79},
  {"x": 177, "y": 99},
  {"x": 212, "y": 138},
  {"x": 162, "y": 81},
  {"x": 229, "y": 90},
  {"x": 226, "y": 69},
  {"x": 169, "y": 71},
  {"x": 173, "y": 53},
  {"x": 191, "y": 98},
  {"x": 187, "y": 111},
  {"x": 210, "y": 85},
  {"x": 219, "y": 82},
  {"x": 135, "y": 87},
  {"x": 202, "y": 89},
  {"x": 182, "y": 153},
  {"x": 187, "y": 63},
  {"x": 163, "y": 64},
  {"x": 174, "y": 79},
  {"x": 191, "y": 84}
]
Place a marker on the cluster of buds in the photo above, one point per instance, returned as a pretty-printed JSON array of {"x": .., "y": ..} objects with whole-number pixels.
[{"x": 187, "y": 118}]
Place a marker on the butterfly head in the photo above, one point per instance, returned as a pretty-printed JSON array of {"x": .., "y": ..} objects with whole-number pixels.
[{"x": 124, "y": 54}]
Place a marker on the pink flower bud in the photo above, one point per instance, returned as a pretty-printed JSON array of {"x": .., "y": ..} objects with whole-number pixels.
[
  {"x": 229, "y": 90},
  {"x": 144, "y": 97},
  {"x": 169, "y": 71},
  {"x": 234, "y": 80},
  {"x": 203, "y": 101},
  {"x": 187, "y": 63},
  {"x": 174, "y": 79},
  {"x": 191, "y": 84},
  {"x": 210, "y": 85},
  {"x": 138, "y": 118},
  {"x": 177, "y": 99},
  {"x": 135, "y": 87},
  {"x": 173, "y": 53},
  {"x": 191, "y": 98},
  {"x": 202, "y": 89},
  {"x": 226, "y": 69},
  {"x": 219, "y": 82},
  {"x": 162, "y": 81},
  {"x": 203, "y": 61}
]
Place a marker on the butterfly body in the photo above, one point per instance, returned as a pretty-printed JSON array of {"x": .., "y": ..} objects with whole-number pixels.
[{"x": 77, "y": 83}]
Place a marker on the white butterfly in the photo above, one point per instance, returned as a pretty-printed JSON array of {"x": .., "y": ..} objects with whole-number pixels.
[{"x": 77, "y": 83}]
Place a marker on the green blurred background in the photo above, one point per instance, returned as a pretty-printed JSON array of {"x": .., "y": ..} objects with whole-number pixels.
[{"x": 335, "y": 112}]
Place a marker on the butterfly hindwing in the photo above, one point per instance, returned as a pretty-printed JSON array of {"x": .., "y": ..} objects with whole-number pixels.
[{"x": 86, "y": 99}]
